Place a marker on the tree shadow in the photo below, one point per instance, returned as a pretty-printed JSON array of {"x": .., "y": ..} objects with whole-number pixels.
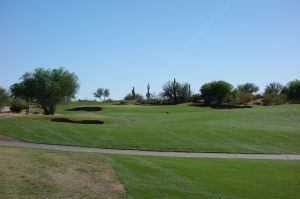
[
  {"x": 66, "y": 120},
  {"x": 85, "y": 108},
  {"x": 221, "y": 106}
]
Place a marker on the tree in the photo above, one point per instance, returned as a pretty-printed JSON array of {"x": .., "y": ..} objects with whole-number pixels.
[
  {"x": 248, "y": 88},
  {"x": 106, "y": 93},
  {"x": 48, "y": 87},
  {"x": 99, "y": 93},
  {"x": 293, "y": 91},
  {"x": 176, "y": 92},
  {"x": 148, "y": 95},
  {"x": 4, "y": 98},
  {"x": 216, "y": 92},
  {"x": 25, "y": 90},
  {"x": 273, "y": 88}
]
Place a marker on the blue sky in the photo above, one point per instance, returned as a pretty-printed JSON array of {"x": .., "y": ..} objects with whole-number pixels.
[{"x": 120, "y": 44}]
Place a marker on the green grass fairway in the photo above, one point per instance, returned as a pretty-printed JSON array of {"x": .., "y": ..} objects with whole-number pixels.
[
  {"x": 28, "y": 174},
  {"x": 274, "y": 129},
  {"x": 152, "y": 177}
]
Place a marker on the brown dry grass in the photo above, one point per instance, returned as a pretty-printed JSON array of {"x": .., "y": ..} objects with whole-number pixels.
[
  {"x": 7, "y": 138},
  {"x": 27, "y": 173}
]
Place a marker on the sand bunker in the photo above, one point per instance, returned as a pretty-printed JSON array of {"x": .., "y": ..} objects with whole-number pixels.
[
  {"x": 76, "y": 121},
  {"x": 85, "y": 108}
]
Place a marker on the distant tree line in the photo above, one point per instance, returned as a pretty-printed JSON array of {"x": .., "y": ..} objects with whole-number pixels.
[
  {"x": 49, "y": 87},
  {"x": 221, "y": 92}
]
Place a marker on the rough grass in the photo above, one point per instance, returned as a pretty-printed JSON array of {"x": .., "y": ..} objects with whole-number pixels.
[
  {"x": 274, "y": 129},
  {"x": 171, "y": 178},
  {"x": 26, "y": 173}
]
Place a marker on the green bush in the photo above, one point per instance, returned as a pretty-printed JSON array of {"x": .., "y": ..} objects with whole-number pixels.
[
  {"x": 4, "y": 98},
  {"x": 216, "y": 92},
  {"x": 136, "y": 97},
  {"x": 273, "y": 99},
  {"x": 17, "y": 105},
  {"x": 195, "y": 98},
  {"x": 293, "y": 91}
]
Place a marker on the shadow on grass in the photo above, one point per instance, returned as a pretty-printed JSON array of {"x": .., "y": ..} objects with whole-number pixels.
[
  {"x": 87, "y": 108},
  {"x": 66, "y": 120},
  {"x": 221, "y": 106}
]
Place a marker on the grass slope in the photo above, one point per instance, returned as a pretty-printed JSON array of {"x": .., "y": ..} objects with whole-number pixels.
[
  {"x": 27, "y": 173},
  {"x": 261, "y": 129},
  {"x": 153, "y": 177}
]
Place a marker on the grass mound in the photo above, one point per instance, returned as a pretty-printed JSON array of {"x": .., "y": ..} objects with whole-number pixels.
[
  {"x": 66, "y": 120},
  {"x": 85, "y": 108}
]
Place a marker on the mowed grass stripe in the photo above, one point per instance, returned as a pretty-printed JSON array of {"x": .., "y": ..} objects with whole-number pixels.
[
  {"x": 156, "y": 177},
  {"x": 274, "y": 129}
]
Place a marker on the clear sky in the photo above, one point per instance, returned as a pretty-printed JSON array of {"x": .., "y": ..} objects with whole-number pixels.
[{"x": 118, "y": 44}]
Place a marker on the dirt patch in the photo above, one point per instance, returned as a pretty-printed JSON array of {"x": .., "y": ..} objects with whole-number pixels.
[
  {"x": 7, "y": 138},
  {"x": 11, "y": 114},
  {"x": 66, "y": 120},
  {"x": 85, "y": 108},
  {"x": 42, "y": 174}
]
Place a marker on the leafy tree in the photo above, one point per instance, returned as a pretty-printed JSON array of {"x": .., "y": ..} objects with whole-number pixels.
[
  {"x": 4, "y": 97},
  {"x": 293, "y": 91},
  {"x": 176, "y": 92},
  {"x": 216, "y": 92},
  {"x": 248, "y": 88},
  {"x": 48, "y": 87},
  {"x": 273, "y": 88},
  {"x": 99, "y": 93},
  {"x": 106, "y": 93},
  {"x": 25, "y": 90}
]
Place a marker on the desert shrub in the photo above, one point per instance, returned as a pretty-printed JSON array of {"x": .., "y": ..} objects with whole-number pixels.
[
  {"x": 17, "y": 105},
  {"x": 4, "y": 98},
  {"x": 273, "y": 99},
  {"x": 195, "y": 98},
  {"x": 136, "y": 97},
  {"x": 243, "y": 98}
]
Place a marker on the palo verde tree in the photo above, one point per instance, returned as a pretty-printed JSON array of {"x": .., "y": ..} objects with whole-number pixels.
[
  {"x": 106, "y": 93},
  {"x": 48, "y": 87},
  {"x": 216, "y": 92},
  {"x": 273, "y": 88},
  {"x": 99, "y": 93},
  {"x": 176, "y": 92},
  {"x": 248, "y": 88}
]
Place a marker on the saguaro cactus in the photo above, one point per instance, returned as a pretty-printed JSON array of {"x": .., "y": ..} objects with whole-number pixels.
[
  {"x": 133, "y": 93},
  {"x": 148, "y": 92}
]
